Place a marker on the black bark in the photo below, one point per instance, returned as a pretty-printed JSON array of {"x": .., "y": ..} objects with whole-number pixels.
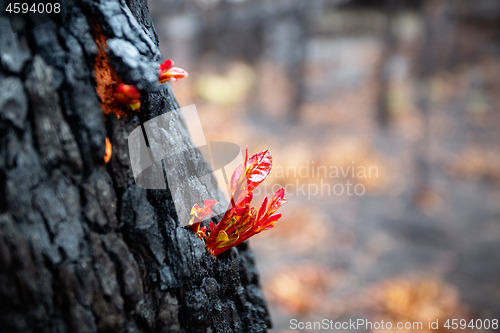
[{"x": 82, "y": 247}]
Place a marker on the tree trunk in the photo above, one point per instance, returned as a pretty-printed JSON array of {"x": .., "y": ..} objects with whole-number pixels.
[{"x": 82, "y": 247}]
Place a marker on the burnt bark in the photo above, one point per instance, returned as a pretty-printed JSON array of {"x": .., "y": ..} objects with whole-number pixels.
[{"x": 82, "y": 247}]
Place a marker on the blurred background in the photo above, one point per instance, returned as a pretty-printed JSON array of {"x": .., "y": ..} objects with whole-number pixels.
[{"x": 406, "y": 94}]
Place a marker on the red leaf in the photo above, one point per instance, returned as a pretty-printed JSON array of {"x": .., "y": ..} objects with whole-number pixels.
[
  {"x": 166, "y": 65},
  {"x": 269, "y": 223},
  {"x": 170, "y": 73},
  {"x": 277, "y": 201},
  {"x": 258, "y": 168},
  {"x": 263, "y": 208},
  {"x": 235, "y": 178}
]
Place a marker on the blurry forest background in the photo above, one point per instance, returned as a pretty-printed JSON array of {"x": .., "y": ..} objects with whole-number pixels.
[{"x": 411, "y": 87}]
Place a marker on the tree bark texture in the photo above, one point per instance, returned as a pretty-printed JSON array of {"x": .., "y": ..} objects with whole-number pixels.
[{"x": 82, "y": 247}]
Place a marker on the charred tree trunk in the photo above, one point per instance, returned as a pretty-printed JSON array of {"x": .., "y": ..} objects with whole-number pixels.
[{"x": 82, "y": 247}]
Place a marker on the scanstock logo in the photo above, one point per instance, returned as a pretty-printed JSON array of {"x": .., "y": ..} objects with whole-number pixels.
[{"x": 161, "y": 156}]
